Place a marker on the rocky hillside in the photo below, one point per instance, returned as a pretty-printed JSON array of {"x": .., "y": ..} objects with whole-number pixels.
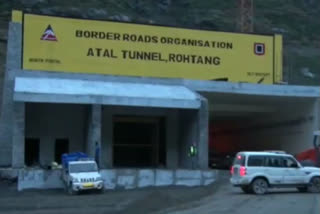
[{"x": 297, "y": 20}]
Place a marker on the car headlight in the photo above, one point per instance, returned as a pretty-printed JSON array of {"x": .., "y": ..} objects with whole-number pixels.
[
  {"x": 99, "y": 179},
  {"x": 75, "y": 180}
]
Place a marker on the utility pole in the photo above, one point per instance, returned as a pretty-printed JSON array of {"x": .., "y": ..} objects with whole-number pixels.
[{"x": 245, "y": 22}]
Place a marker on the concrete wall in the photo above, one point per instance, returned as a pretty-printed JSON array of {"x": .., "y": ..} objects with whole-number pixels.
[
  {"x": 39, "y": 179},
  {"x": 49, "y": 122},
  {"x": 56, "y": 121},
  {"x": 9, "y": 173},
  {"x": 122, "y": 178},
  {"x": 289, "y": 129}
]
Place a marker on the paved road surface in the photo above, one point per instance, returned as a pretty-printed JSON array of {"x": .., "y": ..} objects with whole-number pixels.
[
  {"x": 139, "y": 201},
  {"x": 203, "y": 200},
  {"x": 231, "y": 200}
]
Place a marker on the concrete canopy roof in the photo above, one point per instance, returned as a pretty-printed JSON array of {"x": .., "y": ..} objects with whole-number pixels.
[
  {"x": 58, "y": 90},
  {"x": 280, "y": 91},
  {"x": 201, "y": 86}
]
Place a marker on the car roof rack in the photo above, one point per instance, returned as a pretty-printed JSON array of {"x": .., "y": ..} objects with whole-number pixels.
[
  {"x": 276, "y": 151},
  {"x": 85, "y": 159}
]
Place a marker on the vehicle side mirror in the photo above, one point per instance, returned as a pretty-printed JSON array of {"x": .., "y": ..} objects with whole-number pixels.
[{"x": 294, "y": 165}]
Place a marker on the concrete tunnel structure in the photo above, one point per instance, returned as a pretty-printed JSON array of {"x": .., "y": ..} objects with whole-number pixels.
[{"x": 64, "y": 112}]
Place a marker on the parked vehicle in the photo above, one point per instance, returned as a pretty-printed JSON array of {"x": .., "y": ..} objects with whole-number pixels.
[
  {"x": 221, "y": 161},
  {"x": 311, "y": 157},
  {"x": 80, "y": 173},
  {"x": 256, "y": 172}
]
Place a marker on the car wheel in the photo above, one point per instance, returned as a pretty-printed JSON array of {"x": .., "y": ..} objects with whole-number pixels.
[
  {"x": 102, "y": 191},
  {"x": 246, "y": 189},
  {"x": 302, "y": 189},
  {"x": 66, "y": 188},
  {"x": 314, "y": 185},
  {"x": 259, "y": 186}
]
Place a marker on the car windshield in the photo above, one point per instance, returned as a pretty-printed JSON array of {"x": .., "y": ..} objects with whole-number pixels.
[{"x": 84, "y": 167}]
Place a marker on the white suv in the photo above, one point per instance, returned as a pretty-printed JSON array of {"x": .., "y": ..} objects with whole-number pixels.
[{"x": 255, "y": 172}]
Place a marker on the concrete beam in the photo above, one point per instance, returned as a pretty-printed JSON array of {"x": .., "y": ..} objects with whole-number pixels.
[
  {"x": 253, "y": 89},
  {"x": 241, "y": 108},
  {"x": 195, "y": 85},
  {"x": 106, "y": 100},
  {"x": 61, "y": 90}
]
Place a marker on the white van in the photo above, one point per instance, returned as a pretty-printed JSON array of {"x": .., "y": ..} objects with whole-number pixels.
[
  {"x": 82, "y": 175},
  {"x": 256, "y": 172}
]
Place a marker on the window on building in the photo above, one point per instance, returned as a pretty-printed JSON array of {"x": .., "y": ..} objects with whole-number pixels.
[
  {"x": 32, "y": 151},
  {"x": 61, "y": 147}
]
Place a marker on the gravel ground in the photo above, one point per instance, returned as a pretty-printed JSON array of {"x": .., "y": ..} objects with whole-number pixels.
[
  {"x": 120, "y": 201},
  {"x": 219, "y": 198},
  {"x": 228, "y": 199}
]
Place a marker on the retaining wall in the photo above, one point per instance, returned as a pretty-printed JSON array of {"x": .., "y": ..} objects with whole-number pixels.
[
  {"x": 121, "y": 178},
  {"x": 8, "y": 173}
]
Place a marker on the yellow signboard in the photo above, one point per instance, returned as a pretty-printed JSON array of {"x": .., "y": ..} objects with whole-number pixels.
[
  {"x": 16, "y": 16},
  {"x": 113, "y": 48}
]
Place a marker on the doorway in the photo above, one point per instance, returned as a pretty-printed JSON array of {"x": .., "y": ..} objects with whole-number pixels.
[
  {"x": 138, "y": 141},
  {"x": 61, "y": 147},
  {"x": 32, "y": 146}
]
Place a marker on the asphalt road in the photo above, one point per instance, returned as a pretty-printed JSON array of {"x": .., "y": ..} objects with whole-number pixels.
[
  {"x": 139, "y": 201},
  {"x": 231, "y": 200},
  {"x": 220, "y": 198}
]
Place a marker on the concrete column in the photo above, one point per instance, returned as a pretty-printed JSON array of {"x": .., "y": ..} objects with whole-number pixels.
[
  {"x": 172, "y": 132},
  {"x": 194, "y": 130},
  {"x": 18, "y": 139},
  {"x": 94, "y": 130},
  {"x": 203, "y": 132},
  {"x": 13, "y": 63},
  {"x": 316, "y": 110},
  {"x": 107, "y": 136},
  {"x": 188, "y": 133}
]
